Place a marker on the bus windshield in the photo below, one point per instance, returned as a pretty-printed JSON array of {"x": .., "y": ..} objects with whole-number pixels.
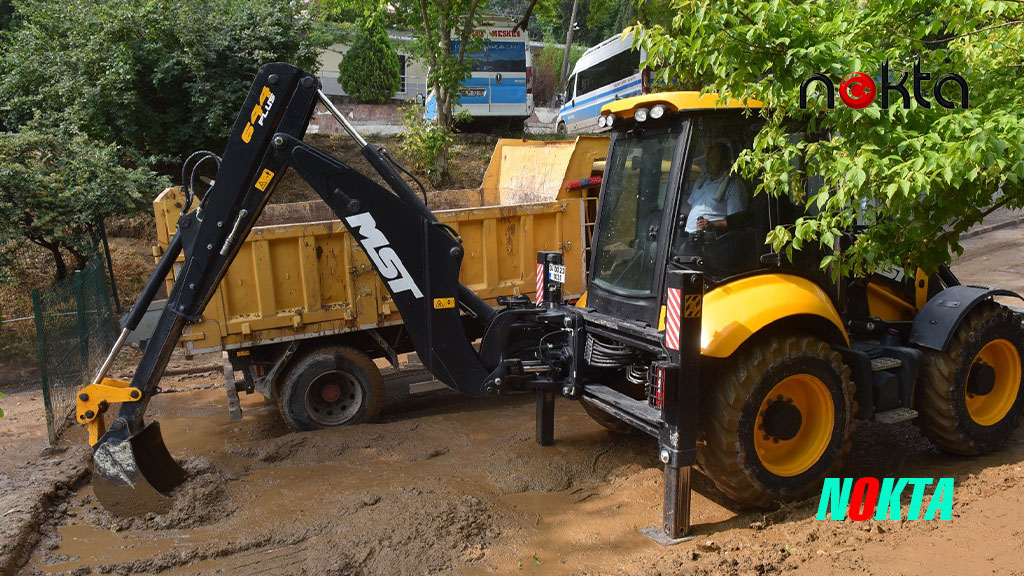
[{"x": 496, "y": 57}]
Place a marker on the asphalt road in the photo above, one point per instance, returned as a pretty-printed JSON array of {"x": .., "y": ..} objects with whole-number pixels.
[{"x": 997, "y": 257}]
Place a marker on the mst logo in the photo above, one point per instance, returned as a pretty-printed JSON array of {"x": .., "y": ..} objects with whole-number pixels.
[
  {"x": 259, "y": 114},
  {"x": 383, "y": 255}
]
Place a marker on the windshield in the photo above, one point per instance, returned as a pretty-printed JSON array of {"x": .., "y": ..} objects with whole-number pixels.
[
  {"x": 496, "y": 56},
  {"x": 631, "y": 209}
]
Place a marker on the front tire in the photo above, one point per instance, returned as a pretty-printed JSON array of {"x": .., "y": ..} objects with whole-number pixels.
[
  {"x": 561, "y": 130},
  {"x": 777, "y": 421},
  {"x": 330, "y": 386},
  {"x": 971, "y": 396}
]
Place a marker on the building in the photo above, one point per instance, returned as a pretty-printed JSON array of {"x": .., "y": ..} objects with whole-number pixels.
[{"x": 413, "y": 73}]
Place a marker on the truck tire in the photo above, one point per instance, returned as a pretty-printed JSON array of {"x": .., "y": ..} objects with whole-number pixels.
[
  {"x": 561, "y": 130},
  {"x": 330, "y": 386},
  {"x": 971, "y": 395},
  {"x": 777, "y": 420}
]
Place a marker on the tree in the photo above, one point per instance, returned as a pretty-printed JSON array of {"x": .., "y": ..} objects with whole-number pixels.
[
  {"x": 370, "y": 70},
  {"x": 444, "y": 35},
  {"x": 163, "y": 78},
  {"x": 57, "y": 184},
  {"x": 912, "y": 179}
]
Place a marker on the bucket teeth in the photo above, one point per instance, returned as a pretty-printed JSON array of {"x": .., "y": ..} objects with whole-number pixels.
[{"x": 133, "y": 477}]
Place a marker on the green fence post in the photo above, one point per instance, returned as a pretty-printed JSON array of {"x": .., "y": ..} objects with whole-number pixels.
[
  {"x": 110, "y": 267},
  {"x": 37, "y": 308},
  {"x": 83, "y": 331}
]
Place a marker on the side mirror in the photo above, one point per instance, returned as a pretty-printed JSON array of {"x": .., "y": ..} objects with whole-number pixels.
[{"x": 560, "y": 98}]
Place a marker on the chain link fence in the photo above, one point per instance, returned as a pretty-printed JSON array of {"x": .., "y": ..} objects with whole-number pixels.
[{"x": 75, "y": 328}]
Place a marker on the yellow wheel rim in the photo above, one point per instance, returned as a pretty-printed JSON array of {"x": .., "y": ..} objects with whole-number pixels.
[
  {"x": 795, "y": 453},
  {"x": 988, "y": 409}
]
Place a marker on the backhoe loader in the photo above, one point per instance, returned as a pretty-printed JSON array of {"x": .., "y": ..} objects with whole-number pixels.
[{"x": 692, "y": 329}]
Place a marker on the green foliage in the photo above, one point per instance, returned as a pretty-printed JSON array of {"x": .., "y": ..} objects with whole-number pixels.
[
  {"x": 1, "y": 409},
  {"x": 436, "y": 23},
  {"x": 163, "y": 78},
  {"x": 914, "y": 179},
  {"x": 547, "y": 67},
  {"x": 370, "y": 71},
  {"x": 423, "y": 141},
  {"x": 56, "y": 184}
]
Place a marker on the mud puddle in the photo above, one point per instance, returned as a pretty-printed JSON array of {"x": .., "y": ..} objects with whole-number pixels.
[{"x": 458, "y": 486}]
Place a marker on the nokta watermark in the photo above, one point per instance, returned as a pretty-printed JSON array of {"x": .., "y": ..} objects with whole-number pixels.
[
  {"x": 858, "y": 90},
  {"x": 868, "y": 497}
]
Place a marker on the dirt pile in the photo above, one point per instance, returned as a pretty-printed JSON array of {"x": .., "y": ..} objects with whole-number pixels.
[{"x": 199, "y": 501}]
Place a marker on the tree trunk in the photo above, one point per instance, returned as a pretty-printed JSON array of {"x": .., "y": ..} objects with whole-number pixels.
[
  {"x": 568, "y": 46},
  {"x": 60, "y": 271}
]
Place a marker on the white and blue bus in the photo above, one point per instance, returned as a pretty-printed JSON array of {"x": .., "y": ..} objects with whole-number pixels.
[
  {"x": 606, "y": 72},
  {"x": 500, "y": 83}
]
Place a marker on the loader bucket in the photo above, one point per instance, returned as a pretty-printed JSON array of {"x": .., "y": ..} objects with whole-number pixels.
[{"x": 133, "y": 477}]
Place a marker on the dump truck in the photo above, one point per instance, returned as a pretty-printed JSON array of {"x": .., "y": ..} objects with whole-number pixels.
[
  {"x": 692, "y": 329},
  {"x": 303, "y": 316}
]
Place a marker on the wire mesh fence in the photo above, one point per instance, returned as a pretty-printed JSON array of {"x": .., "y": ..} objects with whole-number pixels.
[{"x": 75, "y": 328}]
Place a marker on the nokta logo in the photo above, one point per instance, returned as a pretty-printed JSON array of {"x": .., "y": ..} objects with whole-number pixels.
[
  {"x": 858, "y": 90},
  {"x": 867, "y": 497}
]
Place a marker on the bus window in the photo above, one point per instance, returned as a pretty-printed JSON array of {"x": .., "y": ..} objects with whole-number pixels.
[
  {"x": 497, "y": 57},
  {"x": 610, "y": 71}
]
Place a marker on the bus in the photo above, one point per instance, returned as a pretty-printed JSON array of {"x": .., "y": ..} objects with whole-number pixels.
[
  {"x": 606, "y": 72},
  {"x": 500, "y": 85}
]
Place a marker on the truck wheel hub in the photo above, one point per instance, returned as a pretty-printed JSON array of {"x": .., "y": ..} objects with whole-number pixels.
[
  {"x": 782, "y": 419},
  {"x": 982, "y": 379},
  {"x": 330, "y": 393}
]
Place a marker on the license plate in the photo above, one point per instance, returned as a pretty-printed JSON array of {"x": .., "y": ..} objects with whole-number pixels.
[
  {"x": 557, "y": 273},
  {"x": 472, "y": 92}
]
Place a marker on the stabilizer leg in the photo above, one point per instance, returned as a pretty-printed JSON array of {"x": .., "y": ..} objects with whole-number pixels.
[{"x": 545, "y": 417}]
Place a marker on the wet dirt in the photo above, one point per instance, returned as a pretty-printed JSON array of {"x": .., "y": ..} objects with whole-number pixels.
[
  {"x": 452, "y": 485},
  {"x": 458, "y": 486}
]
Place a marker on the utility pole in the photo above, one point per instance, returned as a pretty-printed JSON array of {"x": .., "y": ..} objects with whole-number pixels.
[{"x": 568, "y": 44}]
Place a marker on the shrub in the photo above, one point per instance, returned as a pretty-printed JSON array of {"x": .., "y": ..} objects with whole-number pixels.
[{"x": 370, "y": 69}]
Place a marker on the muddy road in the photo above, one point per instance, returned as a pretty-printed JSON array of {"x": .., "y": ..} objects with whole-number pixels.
[{"x": 450, "y": 485}]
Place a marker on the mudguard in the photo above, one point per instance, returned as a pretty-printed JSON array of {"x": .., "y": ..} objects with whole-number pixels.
[{"x": 935, "y": 323}]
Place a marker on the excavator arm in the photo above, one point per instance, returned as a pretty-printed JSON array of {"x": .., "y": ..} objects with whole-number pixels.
[
  {"x": 537, "y": 346},
  {"x": 418, "y": 258}
]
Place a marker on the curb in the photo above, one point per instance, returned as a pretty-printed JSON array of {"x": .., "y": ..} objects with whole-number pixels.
[{"x": 992, "y": 228}]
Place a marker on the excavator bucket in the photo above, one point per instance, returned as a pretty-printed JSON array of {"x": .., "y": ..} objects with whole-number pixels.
[{"x": 134, "y": 477}]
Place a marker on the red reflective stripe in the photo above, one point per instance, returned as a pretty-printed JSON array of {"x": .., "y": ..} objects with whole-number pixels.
[
  {"x": 672, "y": 318},
  {"x": 540, "y": 283}
]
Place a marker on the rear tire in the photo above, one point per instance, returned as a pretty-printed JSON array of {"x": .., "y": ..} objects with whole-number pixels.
[
  {"x": 756, "y": 395},
  {"x": 955, "y": 415},
  {"x": 330, "y": 386}
]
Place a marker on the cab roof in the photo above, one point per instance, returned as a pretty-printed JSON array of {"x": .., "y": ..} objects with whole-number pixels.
[{"x": 675, "y": 102}]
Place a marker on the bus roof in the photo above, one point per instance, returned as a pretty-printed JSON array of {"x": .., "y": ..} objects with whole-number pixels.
[{"x": 675, "y": 102}]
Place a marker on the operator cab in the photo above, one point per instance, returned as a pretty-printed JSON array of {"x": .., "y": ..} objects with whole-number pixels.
[{"x": 670, "y": 196}]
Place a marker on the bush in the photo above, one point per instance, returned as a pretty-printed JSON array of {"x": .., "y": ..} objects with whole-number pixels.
[
  {"x": 370, "y": 71},
  {"x": 547, "y": 67},
  {"x": 56, "y": 186},
  {"x": 423, "y": 141}
]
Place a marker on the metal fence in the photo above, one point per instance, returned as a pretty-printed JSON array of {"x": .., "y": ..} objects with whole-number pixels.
[{"x": 75, "y": 328}]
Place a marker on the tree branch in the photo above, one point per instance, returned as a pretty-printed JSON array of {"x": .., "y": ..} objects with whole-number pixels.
[
  {"x": 529, "y": 12},
  {"x": 467, "y": 29},
  {"x": 973, "y": 32}
]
